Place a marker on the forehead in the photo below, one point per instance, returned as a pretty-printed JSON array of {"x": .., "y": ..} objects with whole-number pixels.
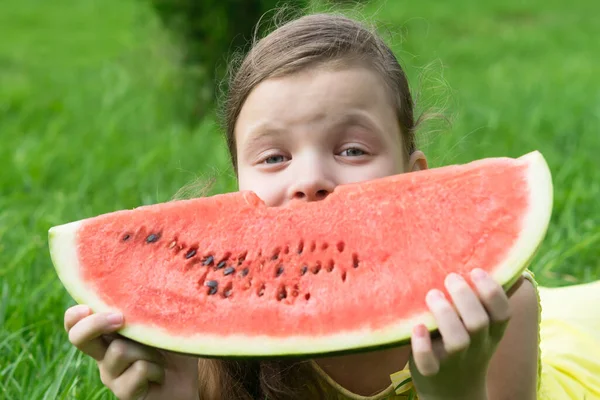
[{"x": 315, "y": 96}]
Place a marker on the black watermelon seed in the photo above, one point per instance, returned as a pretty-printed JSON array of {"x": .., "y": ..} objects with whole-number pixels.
[
  {"x": 304, "y": 269},
  {"x": 213, "y": 285},
  {"x": 244, "y": 272},
  {"x": 221, "y": 264},
  {"x": 282, "y": 295},
  {"x": 208, "y": 261},
  {"x": 152, "y": 238},
  {"x": 279, "y": 271},
  {"x": 191, "y": 253},
  {"x": 330, "y": 265},
  {"x": 126, "y": 237},
  {"x": 229, "y": 271}
]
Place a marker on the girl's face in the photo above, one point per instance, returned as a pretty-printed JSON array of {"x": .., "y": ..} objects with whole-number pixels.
[{"x": 301, "y": 135}]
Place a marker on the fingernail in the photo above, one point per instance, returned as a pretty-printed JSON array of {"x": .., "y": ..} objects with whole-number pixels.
[
  {"x": 435, "y": 295},
  {"x": 479, "y": 274},
  {"x": 420, "y": 331},
  {"x": 83, "y": 310},
  {"x": 115, "y": 319},
  {"x": 454, "y": 279}
]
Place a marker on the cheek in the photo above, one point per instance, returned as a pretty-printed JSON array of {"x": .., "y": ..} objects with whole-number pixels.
[
  {"x": 385, "y": 166},
  {"x": 395, "y": 164},
  {"x": 265, "y": 189},
  {"x": 394, "y": 160},
  {"x": 398, "y": 160},
  {"x": 378, "y": 169}
]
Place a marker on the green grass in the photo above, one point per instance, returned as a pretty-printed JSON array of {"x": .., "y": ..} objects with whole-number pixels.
[{"x": 90, "y": 121}]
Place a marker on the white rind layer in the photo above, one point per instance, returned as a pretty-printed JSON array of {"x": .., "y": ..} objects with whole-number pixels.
[
  {"x": 535, "y": 223},
  {"x": 63, "y": 249}
]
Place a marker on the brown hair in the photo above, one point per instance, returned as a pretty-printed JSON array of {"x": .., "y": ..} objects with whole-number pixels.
[
  {"x": 264, "y": 380},
  {"x": 309, "y": 41},
  {"x": 313, "y": 40}
]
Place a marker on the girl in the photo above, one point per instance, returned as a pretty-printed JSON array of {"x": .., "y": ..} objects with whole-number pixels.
[{"x": 320, "y": 102}]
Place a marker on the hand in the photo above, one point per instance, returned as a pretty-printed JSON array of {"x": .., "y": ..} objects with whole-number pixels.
[
  {"x": 471, "y": 326},
  {"x": 129, "y": 369}
]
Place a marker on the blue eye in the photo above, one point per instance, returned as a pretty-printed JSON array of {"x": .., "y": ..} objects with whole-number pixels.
[
  {"x": 353, "y": 152},
  {"x": 274, "y": 159}
]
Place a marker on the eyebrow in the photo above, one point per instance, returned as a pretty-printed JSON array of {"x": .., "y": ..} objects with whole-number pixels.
[
  {"x": 265, "y": 131},
  {"x": 357, "y": 118},
  {"x": 262, "y": 132}
]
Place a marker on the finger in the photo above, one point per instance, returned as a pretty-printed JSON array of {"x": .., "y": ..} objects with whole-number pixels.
[
  {"x": 438, "y": 349},
  {"x": 467, "y": 303},
  {"x": 454, "y": 334},
  {"x": 422, "y": 352},
  {"x": 134, "y": 383},
  {"x": 492, "y": 295},
  {"x": 494, "y": 299},
  {"x": 123, "y": 353},
  {"x": 75, "y": 314},
  {"x": 86, "y": 334}
]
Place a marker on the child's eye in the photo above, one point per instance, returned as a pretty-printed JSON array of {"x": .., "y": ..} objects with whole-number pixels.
[
  {"x": 274, "y": 159},
  {"x": 352, "y": 152}
]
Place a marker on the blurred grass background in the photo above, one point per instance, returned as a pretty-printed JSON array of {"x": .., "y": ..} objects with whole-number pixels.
[{"x": 105, "y": 105}]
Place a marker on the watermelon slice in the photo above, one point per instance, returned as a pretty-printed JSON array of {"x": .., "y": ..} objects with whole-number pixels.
[{"x": 227, "y": 276}]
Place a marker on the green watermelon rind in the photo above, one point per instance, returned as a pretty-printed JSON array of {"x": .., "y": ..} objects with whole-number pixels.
[{"x": 63, "y": 250}]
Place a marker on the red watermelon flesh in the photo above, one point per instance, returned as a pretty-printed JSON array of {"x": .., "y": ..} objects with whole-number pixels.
[{"x": 228, "y": 276}]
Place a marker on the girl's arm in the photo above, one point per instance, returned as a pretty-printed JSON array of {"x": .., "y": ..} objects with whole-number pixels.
[
  {"x": 511, "y": 366},
  {"x": 513, "y": 369}
]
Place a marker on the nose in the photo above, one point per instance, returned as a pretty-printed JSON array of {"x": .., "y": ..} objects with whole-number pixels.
[{"x": 311, "y": 185}]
